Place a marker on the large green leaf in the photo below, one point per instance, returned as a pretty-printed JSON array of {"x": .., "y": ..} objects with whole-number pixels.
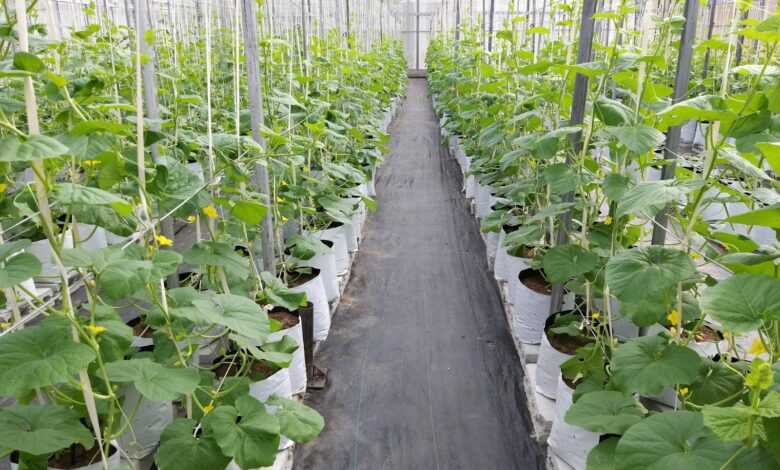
[
  {"x": 638, "y": 139},
  {"x": 648, "y": 197},
  {"x": 605, "y": 412},
  {"x": 17, "y": 267},
  {"x": 71, "y": 194},
  {"x": 40, "y": 356},
  {"x": 771, "y": 151},
  {"x": 28, "y": 62},
  {"x": 179, "y": 449},
  {"x": 564, "y": 262},
  {"x": 36, "y": 147},
  {"x": 612, "y": 112},
  {"x": 246, "y": 432},
  {"x": 749, "y": 124},
  {"x": 674, "y": 440},
  {"x": 699, "y": 108},
  {"x": 152, "y": 380},
  {"x": 249, "y": 212},
  {"x": 648, "y": 364},
  {"x": 743, "y": 302},
  {"x": 276, "y": 293},
  {"x": 647, "y": 278},
  {"x": 296, "y": 420},
  {"x": 41, "y": 429},
  {"x": 732, "y": 423},
  {"x": 715, "y": 382},
  {"x": 602, "y": 457},
  {"x": 766, "y": 217},
  {"x": 213, "y": 253},
  {"x": 239, "y": 314}
]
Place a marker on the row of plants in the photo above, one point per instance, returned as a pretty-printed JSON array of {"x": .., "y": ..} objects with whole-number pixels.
[
  {"x": 663, "y": 355},
  {"x": 141, "y": 314}
]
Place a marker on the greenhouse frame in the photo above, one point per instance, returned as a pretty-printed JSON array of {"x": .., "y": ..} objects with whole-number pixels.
[{"x": 397, "y": 234}]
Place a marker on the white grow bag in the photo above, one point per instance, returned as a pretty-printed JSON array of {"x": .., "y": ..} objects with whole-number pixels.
[
  {"x": 297, "y": 369},
  {"x": 529, "y": 313},
  {"x": 572, "y": 444},
  {"x": 548, "y": 368},
  {"x": 148, "y": 423},
  {"x": 326, "y": 263},
  {"x": 43, "y": 251},
  {"x": 315, "y": 293},
  {"x": 337, "y": 235},
  {"x": 506, "y": 266}
]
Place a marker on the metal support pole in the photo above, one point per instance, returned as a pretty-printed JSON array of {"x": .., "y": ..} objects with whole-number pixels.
[
  {"x": 260, "y": 176},
  {"x": 492, "y": 18},
  {"x": 710, "y": 28},
  {"x": 305, "y": 31},
  {"x": 348, "y": 19},
  {"x": 682, "y": 77},
  {"x": 579, "y": 100},
  {"x": 417, "y": 36},
  {"x": 457, "y": 20},
  {"x": 741, "y": 39}
]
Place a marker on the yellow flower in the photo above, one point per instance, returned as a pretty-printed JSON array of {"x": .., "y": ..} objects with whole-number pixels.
[
  {"x": 674, "y": 317},
  {"x": 3, "y": 187},
  {"x": 595, "y": 315},
  {"x": 162, "y": 240},
  {"x": 90, "y": 162},
  {"x": 608, "y": 220},
  {"x": 95, "y": 330},
  {"x": 279, "y": 199},
  {"x": 191, "y": 219},
  {"x": 695, "y": 255},
  {"x": 210, "y": 211},
  {"x": 208, "y": 408},
  {"x": 757, "y": 347},
  {"x": 306, "y": 169},
  {"x": 284, "y": 219},
  {"x": 5, "y": 324},
  {"x": 684, "y": 392}
]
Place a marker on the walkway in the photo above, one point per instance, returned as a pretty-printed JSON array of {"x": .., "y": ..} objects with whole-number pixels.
[{"x": 423, "y": 372}]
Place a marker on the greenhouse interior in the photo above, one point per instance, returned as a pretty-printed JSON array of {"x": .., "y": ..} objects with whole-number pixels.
[{"x": 389, "y": 234}]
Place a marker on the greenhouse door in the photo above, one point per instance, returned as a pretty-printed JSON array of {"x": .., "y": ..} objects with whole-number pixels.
[{"x": 416, "y": 17}]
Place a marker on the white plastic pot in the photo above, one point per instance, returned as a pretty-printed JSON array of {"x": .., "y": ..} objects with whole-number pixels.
[
  {"x": 372, "y": 183},
  {"x": 491, "y": 246},
  {"x": 572, "y": 444},
  {"x": 43, "y": 251},
  {"x": 315, "y": 293},
  {"x": 548, "y": 368},
  {"x": 484, "y": 200},
  {"x": 700, "y": 136},
  {"x": 326, "y": 263},
  {"x": 338, "y": 235},
  {"x": 530, "y": 310},
  {"x": 622, "y": 328},
  {"x": 114, "y": 461},
  {"x": 470, "y": 186},
  {"x": 148, "y": 423},
  {"x": 688, "y": 132},
  {"x": 91, "y": 237},
  {"x": 297, "y": 369},
  {"x": 506, "y": 266},
  {"x": 512, "y": 266}
]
